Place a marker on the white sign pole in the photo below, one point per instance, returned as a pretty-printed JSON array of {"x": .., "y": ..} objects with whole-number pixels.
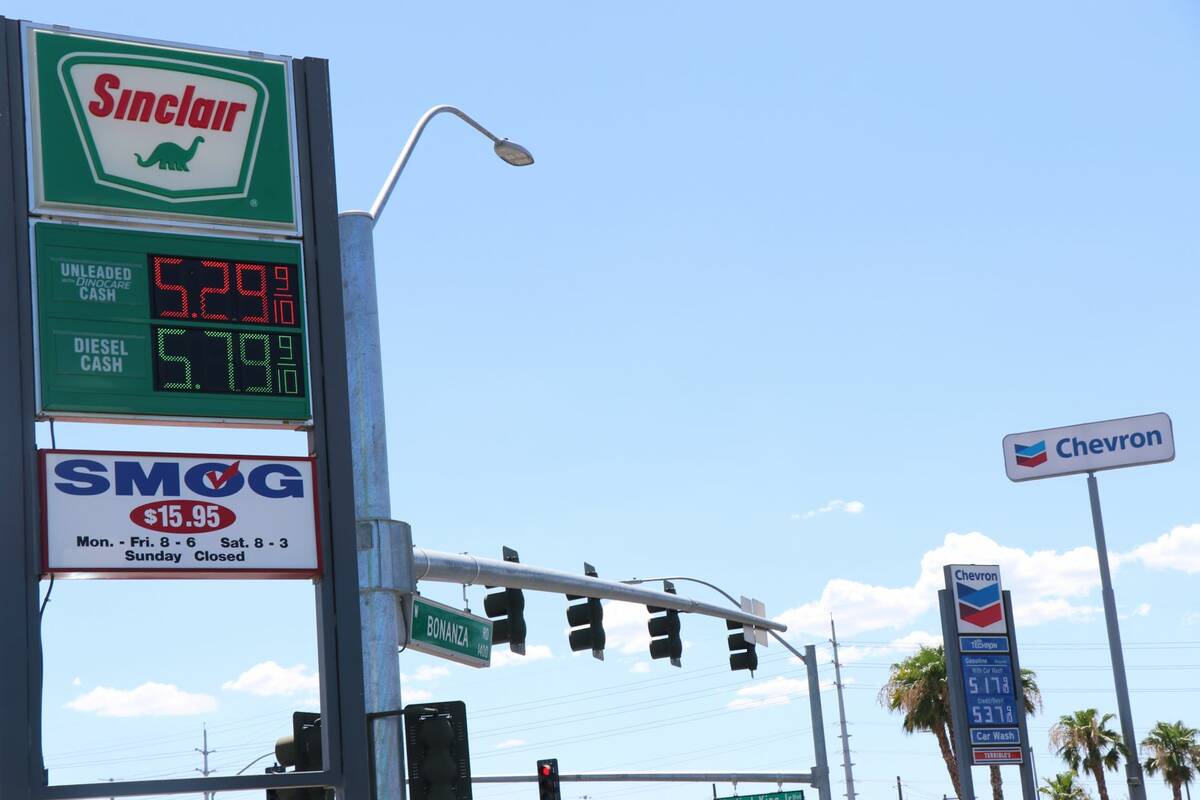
[{"x": 1133, "y": 767}]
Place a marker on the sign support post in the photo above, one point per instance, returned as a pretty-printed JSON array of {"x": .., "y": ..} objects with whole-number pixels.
[
  {"x": 954, "y": 682},
  {"x": 1028, "y": 779},
  {"x": 1133, "y": 767}
]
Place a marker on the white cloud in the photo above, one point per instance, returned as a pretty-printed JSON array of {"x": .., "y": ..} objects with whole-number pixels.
[
  {"x": 148, "y": 700},
  {"x": 77, "y": 681},
  {"x": 1143, "y": 610},
  {"x": 775, "y": 692},
  {"x": 1045, "y": 585},
  {"x": 416, "y": 695},
  {"x": 507, "y": 743},
  {"x": 428, "y": 672},
  {"x": 640, "y": 667},
  {"x": 625, "y": 628},
  {"x": 1178, "y": 549},
  {"x": 503, "y": 657},
  {"x": 845, "y": 506},
  {"x": 268, "y": 679}
]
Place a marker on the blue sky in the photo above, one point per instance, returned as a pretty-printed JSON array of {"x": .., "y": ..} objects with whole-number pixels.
[{"x": 769, "y": 258}]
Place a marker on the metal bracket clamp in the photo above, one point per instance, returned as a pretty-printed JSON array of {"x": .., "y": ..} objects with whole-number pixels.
[{"x": 385, "y": 557}]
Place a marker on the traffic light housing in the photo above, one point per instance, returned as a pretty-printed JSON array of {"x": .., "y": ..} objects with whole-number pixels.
[
  {"x": 439, "y": 761},
  {"x": 742, "y": 654},
  {"x": 664, "y": 631},
  {"x": 587, "y": 621},
  {"x": 301, "y": 751},
  {"x": 547, "y": 775},
  {"x": 507, "y": 610}
]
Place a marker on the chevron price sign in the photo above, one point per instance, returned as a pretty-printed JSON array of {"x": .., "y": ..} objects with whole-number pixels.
[{"x": 981, "y": 644}]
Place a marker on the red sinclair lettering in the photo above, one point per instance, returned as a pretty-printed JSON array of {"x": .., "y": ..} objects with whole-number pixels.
[{"x": 137, "y": 105}]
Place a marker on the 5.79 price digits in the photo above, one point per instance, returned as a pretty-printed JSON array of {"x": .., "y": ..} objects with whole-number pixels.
[{"x": 227, "y": 361}]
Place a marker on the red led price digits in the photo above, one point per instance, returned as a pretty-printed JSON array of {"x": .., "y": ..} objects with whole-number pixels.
[{"x": 219, "y": 290}]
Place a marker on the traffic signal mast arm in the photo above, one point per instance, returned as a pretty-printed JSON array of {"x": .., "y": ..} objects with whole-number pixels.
[{"x": 432, "y": 565}]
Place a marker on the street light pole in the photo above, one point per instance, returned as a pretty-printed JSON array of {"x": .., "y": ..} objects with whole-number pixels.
[{"x": 384, "y": 545}]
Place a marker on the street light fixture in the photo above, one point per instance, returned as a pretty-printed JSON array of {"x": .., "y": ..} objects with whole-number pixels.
[
  {"x": 511, "y": 152},
  {"x": 385, "y": 575}
]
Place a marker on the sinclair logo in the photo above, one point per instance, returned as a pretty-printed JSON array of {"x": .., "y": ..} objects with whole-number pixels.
[{"x": 175, "y": 130}]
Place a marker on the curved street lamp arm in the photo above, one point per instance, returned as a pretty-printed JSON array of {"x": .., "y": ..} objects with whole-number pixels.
[
  {"x": 401, "y": 160},
  {"x": 728, "y": 597},
  {"x": 255, "y": 761}
]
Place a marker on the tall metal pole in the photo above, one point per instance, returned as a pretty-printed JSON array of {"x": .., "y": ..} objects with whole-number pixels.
[
  {"x": 821, "y": 770},
  {"x": 378, "y": 605},
  {"x": 837, "y": 678},
  {"x": 899, "y": 791},
  {"x": 1133, "y": 767},
  {"x": 384, "y": 545}
]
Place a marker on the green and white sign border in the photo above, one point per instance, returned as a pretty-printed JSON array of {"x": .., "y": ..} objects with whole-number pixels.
[
  {"x": 160, "y": 419},
  {"x": 135, "y": 216}
]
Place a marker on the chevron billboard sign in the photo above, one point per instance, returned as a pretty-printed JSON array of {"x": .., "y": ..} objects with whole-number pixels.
[
  {"x": 978, "y": 601},
  {"x": 1090, "y": 447}
]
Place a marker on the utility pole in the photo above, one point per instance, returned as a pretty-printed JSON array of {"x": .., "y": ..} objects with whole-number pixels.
[
  {"x": 837, "y": 674},
  {"x": 899, "y": 791},
  {"x": 205, "y": 752}
]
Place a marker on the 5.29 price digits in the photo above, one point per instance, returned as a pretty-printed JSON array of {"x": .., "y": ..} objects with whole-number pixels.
[
  {"x": 227, "y": 361},
  {"x": 213, "y": 290}
]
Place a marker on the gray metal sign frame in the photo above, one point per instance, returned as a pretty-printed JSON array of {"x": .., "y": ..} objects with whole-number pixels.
[{"x": 22, "y": 766}]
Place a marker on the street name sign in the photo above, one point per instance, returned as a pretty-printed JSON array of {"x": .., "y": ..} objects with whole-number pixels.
[
  {"x": 123, "y": 128},
  {"x": 441, "y": 630},
  {"x": 169, "y": 515},
  {"x": 163, "y": 326},
  {"x": 1091, "y": 447},
  {"x": 797, "y": 795}
]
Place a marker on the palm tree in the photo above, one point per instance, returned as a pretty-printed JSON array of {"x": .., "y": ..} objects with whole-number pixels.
[
  {"x": 1086, "y": 743},
  {"x": 1063, "y": 787},
  {"x": 1172, "y": 750},
  {"x": 917, "y": 688},
  {"x": 1031, "y": 697}
]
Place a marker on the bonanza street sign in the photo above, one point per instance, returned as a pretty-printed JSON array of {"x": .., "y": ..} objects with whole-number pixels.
[
  {"x": 797, "y": 795},
  {"x": 165, "y": 515},
  {"x": 123, "y": 127},
  {"x": 440, "y": 630}
]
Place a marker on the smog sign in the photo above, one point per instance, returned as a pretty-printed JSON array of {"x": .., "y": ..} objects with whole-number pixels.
[
  {"x": 129, "y": 128},
  {"x": 165, "y": 515}
]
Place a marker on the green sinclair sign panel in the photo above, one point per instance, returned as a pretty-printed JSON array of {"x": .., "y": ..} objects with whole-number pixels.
[
  {"x": 169, "y": 327},
  {"x": 130, "y": 129}
]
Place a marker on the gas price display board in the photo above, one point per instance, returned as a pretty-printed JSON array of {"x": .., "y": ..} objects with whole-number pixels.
[
  {"x": 988, "y": 683},
  {"x": 168, "y": 326}
]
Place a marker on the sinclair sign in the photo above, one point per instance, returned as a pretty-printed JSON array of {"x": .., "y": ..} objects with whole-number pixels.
[{"x": 122, "y": 128}]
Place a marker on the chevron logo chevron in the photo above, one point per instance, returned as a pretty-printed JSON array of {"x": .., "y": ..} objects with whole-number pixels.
[
  {"x": 979, "y": 617},
  {"x": 1030, "y": 455}
]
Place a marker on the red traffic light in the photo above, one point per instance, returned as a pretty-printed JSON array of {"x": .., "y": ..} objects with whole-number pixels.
[{"x": 546, "y": 770}]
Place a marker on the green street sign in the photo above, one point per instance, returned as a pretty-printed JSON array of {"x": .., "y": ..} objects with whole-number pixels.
[
  {"x": 169, "y": 327},
  {"x": 131, "y": 129},
  {"x": 798, "y": 795},
  {"x": 440, "y": 630}
]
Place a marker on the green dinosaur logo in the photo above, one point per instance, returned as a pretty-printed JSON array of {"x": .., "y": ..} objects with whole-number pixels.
[{"x": 169, "y": 155}]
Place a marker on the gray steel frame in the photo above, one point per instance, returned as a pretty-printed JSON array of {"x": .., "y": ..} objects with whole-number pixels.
[{"x": 22, "y": 773}]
